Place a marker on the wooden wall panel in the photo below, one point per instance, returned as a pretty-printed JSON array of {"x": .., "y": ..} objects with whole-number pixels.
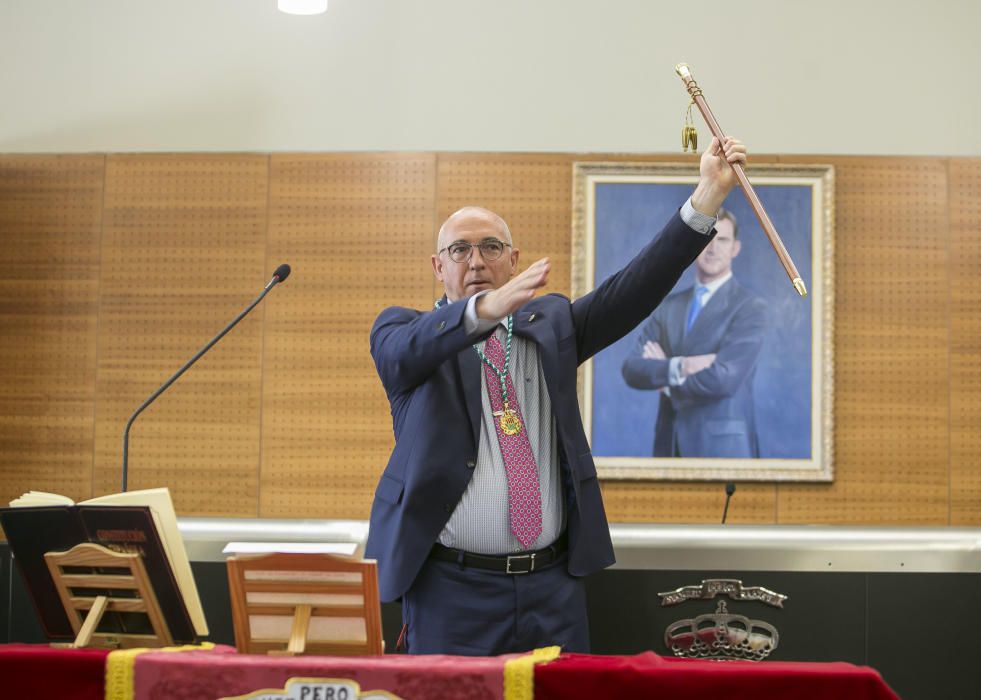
[
  {"x": 891, "y": 339},
  {"x": 286, "y": 418},
  {"x": 358, "y": 231},
  {"x": 50, "y": 224},
  {"x": 965, "y": 342},
  {"x": 688, "y": 502},
  {"x": 184, "y": 251}
]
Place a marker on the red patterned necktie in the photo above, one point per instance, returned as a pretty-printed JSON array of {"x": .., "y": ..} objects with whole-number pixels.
[{"x": 524, "y": 495}]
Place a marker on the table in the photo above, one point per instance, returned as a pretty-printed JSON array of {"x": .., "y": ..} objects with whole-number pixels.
[
  {"x": 39, "y": 671},
  {"x": 647, "y": 675}
]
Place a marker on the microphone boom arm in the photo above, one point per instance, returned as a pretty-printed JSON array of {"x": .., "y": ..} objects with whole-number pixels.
[{"x": 272, "y": 283}]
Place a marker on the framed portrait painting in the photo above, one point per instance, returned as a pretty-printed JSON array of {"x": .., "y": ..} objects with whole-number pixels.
[{"x": 731, "y": 377}]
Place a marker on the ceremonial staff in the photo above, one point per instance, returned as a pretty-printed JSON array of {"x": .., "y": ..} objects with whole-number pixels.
[{"x": 771, "y": 232}]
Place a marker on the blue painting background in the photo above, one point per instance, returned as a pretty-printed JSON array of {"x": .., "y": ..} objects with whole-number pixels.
[{"x": 627, "y": 215}]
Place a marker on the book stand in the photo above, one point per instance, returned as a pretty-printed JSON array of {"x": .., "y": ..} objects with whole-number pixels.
[
  {"x": 86, "y": 611},
  {"x": 286, "y": 604}
]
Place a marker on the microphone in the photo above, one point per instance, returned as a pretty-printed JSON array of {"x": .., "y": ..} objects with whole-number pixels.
[
  {"x": 730, "y": 489},
  {"x": 280, "y": 275}
]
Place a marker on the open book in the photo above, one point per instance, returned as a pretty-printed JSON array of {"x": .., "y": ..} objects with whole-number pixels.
[{"x": 143, "y": 521}]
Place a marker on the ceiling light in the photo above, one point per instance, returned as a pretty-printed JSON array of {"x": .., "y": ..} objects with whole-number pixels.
[{"x": 302, "y": 7}]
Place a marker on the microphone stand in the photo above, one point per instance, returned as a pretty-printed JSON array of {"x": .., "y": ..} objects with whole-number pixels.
[
  {"x": 730, "y": 489},
  {"x": 272, "y": 283}
]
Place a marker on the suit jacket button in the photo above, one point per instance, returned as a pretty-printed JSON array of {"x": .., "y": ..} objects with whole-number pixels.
[
  {"x": 442, "y": 325},
  {"x": 448, "y": 508},
  {"x": 471, "y": 463}
]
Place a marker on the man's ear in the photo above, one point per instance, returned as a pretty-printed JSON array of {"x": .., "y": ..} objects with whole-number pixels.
[
  {"x": 514, "y": 261},
  {"x": 437, "y": 267},
  {"x": 736, "y": 247}
]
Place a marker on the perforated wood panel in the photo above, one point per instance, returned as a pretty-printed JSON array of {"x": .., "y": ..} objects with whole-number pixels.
[
  {"x": 965, "y": 342},
  {"x": 358, "y": 231},
  {"x": 50, "y": 222},
  {"x": 891, "y": 366},
  {"x": 688, "y": 502},
  {"x": 188, "y": 242},
  {"x": 184, "y": 251}
]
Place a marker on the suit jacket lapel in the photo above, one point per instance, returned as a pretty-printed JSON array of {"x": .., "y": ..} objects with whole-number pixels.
[
  {"x": 527, "y": 324},
  {"x": 468, "y": 365},
  {"x": 677, "y": 319},
  {"x": 468, "y": 379},
  {"x": 533, "y": 326}
]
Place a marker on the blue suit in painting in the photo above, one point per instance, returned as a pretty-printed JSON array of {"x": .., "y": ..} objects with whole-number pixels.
[{"x": 713, "y": 413}]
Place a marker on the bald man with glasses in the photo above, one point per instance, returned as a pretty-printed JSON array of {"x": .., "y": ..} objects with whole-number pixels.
[{"x": 489, "y": 512}]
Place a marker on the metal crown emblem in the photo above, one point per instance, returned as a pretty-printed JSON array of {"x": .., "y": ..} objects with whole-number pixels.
[{"x": 722, "y": 635}]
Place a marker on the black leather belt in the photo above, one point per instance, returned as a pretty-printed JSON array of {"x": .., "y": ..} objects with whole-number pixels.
[{"x": 522, "y": 563}]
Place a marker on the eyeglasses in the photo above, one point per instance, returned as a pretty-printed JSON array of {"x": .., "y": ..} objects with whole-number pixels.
[{"x": 490, "y": 250}]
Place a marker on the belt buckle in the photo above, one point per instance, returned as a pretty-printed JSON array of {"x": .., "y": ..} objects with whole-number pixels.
[{"x": 530, "y": 558}]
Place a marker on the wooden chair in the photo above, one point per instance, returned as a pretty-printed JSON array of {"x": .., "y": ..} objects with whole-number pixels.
[{"x": 305, "y": 604}]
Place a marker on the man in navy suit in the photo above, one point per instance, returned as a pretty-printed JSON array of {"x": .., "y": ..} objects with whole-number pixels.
[
  {"x": 489, "y": 512},
  {"x": 700, "y": 349}
]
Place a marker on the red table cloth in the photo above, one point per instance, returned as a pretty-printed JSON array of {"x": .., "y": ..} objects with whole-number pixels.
[
  {"x": 647, "y": 675},
  {"x": 207, "y": 675},
  {"x": 38, "y": 671}
]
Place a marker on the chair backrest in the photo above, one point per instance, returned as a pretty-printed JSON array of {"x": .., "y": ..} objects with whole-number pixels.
[{"x": 305, "y": 603}]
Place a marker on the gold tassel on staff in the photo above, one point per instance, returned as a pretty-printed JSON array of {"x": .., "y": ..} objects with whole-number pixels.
[{"x": 754, "y": 201}]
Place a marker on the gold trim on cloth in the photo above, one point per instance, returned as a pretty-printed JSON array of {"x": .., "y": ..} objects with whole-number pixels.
[
  {"x": 121, "y": 668},
  {"x": 519, "y": 674}
]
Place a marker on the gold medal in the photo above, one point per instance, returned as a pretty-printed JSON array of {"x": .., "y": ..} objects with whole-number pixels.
[{"x": 510, "y": 423}]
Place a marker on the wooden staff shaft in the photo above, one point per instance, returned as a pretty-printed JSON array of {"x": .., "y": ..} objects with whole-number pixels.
[{"x": 754, "y": 201}]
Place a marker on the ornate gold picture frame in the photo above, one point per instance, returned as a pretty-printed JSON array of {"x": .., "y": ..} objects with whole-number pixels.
[{"x": 779, "y": 360}]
